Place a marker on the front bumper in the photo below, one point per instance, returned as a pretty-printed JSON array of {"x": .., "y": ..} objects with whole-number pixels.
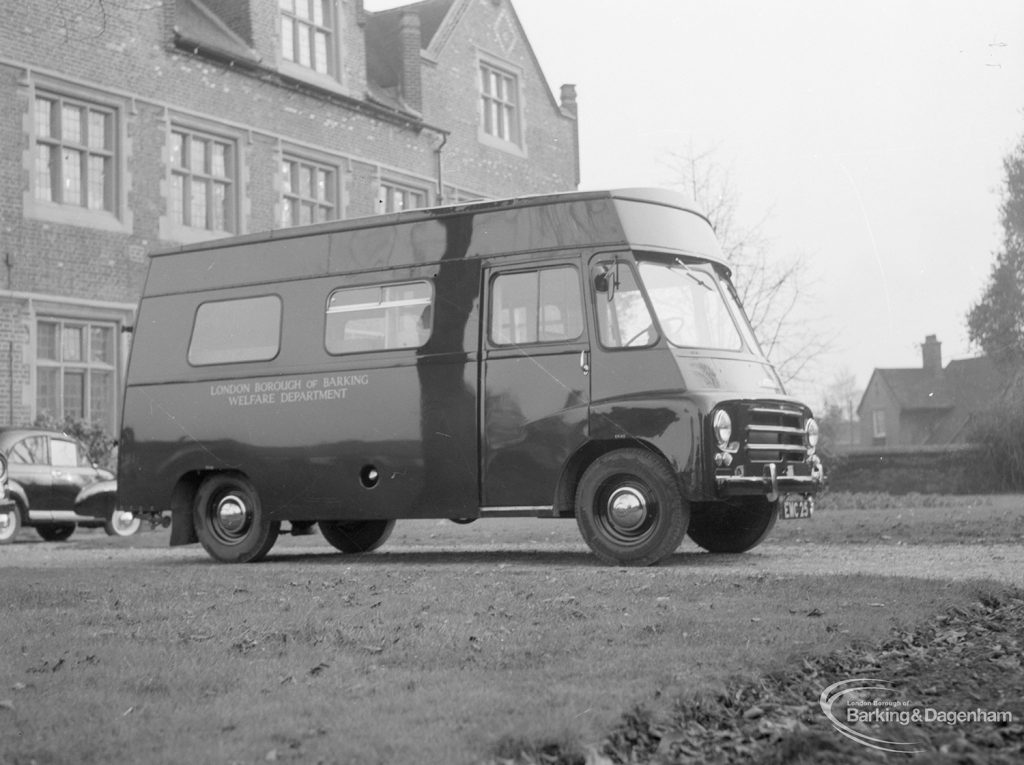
[{"x": 789, "y": 478}]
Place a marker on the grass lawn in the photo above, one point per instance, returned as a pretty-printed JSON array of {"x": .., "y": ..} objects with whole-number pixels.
[{"x": 458, "y": 656}]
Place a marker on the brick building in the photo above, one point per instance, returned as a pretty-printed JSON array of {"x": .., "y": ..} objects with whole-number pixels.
[{"x": 132, "y": 126}]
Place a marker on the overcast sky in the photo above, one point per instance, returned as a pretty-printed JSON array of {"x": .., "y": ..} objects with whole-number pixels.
[{"x": 870, "y": 133}]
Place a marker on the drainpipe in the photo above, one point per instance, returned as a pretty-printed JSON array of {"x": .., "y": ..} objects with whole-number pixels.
[{"x": 440, "y": 164}]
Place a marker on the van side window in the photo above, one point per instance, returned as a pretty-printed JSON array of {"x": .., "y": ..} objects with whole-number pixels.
[
  {"x": 543, "y": 306},
  {"x": 232, "y": 331},
  {"x": 379, "y": 318},
  {"x": 622, "y": 316}
]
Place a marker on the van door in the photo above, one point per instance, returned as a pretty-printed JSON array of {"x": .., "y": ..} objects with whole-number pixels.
[{"x": 536, "y": 385}]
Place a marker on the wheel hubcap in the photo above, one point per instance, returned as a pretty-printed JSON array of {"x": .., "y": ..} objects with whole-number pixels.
[
  {"x": 6, "y": 521},
  {"x": 232, "y": 515},
  {"x": 627, "y": 509}
]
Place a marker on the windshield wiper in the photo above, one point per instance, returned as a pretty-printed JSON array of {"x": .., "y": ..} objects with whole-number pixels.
[{"x": 690, "y": 272}]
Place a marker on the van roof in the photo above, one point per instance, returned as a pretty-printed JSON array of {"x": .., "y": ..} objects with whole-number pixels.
[
  {"x": 639, "y": 194},
  {"x": 418, "y": 237}
]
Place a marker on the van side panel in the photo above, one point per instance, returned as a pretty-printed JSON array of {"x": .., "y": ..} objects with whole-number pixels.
[{"x": 306, "y": 427}]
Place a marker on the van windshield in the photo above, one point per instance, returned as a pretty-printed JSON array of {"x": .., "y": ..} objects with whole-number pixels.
[{"x": 691, "y": 305}]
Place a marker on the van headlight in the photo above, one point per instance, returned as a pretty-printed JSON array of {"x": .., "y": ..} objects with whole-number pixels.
[
  {"x": 722, "y": 425},
  {"x": 811, "y": 431}
]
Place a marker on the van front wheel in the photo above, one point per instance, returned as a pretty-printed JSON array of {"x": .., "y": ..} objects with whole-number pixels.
[
  {"x": 356, "y": 536},
  {"x": 230, "y": 522},
  {"x": 629, "y": 508}
]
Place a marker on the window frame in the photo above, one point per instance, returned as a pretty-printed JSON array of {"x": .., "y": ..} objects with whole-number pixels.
[
  {"x": 262, "y": 357},
  {"x": 878, "y": 418},
  {"x": 90, "y": 369},
  {"x": 114, "y": 213},
  {"x": 182, "y": 219},
  {"x": 288, "y": 59},
  {"x": 494, "y": 341},
  {"x": 383, "y": 305},
  {"x": 491, "y": 105},
  {"x": 619, "y": 261},
  {"x": 298, "y": 201},
  {"x": 386, "y": 190}
]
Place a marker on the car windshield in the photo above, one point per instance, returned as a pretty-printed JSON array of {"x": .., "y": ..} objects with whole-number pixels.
[{"x": 691, "y": 306}]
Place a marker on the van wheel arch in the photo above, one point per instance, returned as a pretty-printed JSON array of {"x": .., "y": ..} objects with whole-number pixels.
[
  {"x": 565, "y": 493},
  {"x": 183, "y": 527}
]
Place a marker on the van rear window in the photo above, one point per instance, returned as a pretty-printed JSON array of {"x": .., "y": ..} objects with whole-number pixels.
[
  {"x": 379, "y": 317},
  {"x": 232, "y": 331}
]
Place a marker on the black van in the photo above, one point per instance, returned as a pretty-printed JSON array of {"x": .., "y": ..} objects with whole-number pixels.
[{"x": 572, "y": 355}]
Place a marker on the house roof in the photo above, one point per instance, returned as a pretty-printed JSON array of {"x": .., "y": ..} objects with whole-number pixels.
[
  {"x": 196, "y": 26},
  {"x": 384, "y": 42},
  {"x": 950, "y": 398}
]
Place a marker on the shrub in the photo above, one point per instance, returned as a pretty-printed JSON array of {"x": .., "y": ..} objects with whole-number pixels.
[
  {"x": 98, "y": 442},
  {"x": 998, "y": 436}
]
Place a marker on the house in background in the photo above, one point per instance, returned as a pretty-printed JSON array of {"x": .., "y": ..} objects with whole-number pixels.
[
  {"x": 930, "y": 405},
  {"x": 128, "y": 127}
]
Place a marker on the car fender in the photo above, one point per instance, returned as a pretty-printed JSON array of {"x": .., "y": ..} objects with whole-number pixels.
[
  {"x": 97, "y": 499},
  {"x": 17, "y": 492}
]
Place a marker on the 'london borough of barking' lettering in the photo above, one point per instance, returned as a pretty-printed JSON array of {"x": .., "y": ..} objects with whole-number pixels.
[{"x": 288, "y": 391}]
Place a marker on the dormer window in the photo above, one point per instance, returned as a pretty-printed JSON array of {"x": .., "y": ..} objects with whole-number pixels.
[{"x": 308, "y": 34}]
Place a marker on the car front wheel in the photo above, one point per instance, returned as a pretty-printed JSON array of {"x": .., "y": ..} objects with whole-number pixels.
[
  {"x": 121, "y": 523},
  {"x": 230, "y": 521}
]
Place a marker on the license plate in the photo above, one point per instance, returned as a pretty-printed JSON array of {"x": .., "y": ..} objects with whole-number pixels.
[{"x": 794, "y": 507}]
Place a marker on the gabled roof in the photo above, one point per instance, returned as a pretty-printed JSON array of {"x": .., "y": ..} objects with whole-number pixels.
[
  {"x": 438, "y": 20},
  {"x": 916, "y": 388},
  {"x": 950, "y": 398},
  {"x": 197, "y": 27}
]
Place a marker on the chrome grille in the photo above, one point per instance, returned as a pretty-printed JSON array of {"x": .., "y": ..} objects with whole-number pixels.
[{"x": 775, "y": 434}]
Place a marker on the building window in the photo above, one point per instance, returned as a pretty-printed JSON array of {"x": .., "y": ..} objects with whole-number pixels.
[
  {"x": 309, "y": 192},
  {"x": 499, "y": 100},
  {"x": 878, "y": 423},
  {"x": 307, "y": 31},
  {"x": 75, "y": 158},
  {"x": 202, "y": 181},
  {"x": 394, "y": 197},
  {"x": 75, "y": 370}
]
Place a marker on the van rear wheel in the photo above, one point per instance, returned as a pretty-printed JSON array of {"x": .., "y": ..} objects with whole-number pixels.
[
  {"x": 230, "y": 522},
  {"x": 629, "y": 508},
  {"x": 719, "y": 527},
  {"x": 356, "y": 536}
]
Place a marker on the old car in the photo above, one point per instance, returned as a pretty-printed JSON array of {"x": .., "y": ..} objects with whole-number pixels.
[{"x": 56, "y": 487}]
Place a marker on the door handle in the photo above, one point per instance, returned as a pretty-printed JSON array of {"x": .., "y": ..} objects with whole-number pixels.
[{"x": 585, "y": 362}]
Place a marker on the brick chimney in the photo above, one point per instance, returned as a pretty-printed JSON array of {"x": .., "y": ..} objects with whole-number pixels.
[
  {"x": 569, "y": 99},
  {"x": 931, "y": 354},
  {"x": 412, "y": 73}
]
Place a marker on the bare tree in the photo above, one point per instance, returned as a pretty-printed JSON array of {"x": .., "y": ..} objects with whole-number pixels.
[{"x": 774, "y": 290}]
